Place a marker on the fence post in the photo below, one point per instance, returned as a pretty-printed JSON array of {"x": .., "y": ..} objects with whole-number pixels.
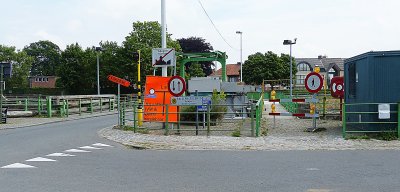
[
  {"x": 134, "y": 117},
  {"x": 257, "y": 121},
  {"x": 101, "y": 105},
  {"x": 48, "y": 106},
  {"x": 80, "y": 107},
  {"x": 166, "y": 120},
  {"x": 344, "y": 120},
  {"x": 252, "y": 119},
  {"x": 109, "y": 104},
  {"x": 398, "y": 121},
  {"x": 123, "y": 113},
  {"x": 91, "y": 106},
  {"x": 324, "y": 107},
  {"x": 208, "y": 119},
  {"x": 67, "y": 105},
  {"x": 26, "y": 104},
  {"x": 39, "y": 106}
]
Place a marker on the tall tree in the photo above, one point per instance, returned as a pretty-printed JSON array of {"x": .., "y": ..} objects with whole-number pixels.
[
  {"x": 268, "y": 66},
  {"x": 78, "y": 72},
  {"x": 144, "y": 37},
  {"x": 21, "y": 64},
  {"x": 195, "y": 70},
  {"x": 197, "y": 45},
  {"x": 46, "y": 56}
]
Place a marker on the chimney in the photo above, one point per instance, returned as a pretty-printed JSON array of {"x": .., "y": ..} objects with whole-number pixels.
[{"x": 322, "y": 56}]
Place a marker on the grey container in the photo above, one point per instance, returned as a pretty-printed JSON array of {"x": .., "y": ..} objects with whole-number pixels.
[{"x": 372, "y": 77}]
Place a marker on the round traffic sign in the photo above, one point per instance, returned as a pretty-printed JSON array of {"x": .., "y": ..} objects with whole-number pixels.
[
  {"x": 337, "y": 87},
  {"x": 176, "y": 86},
  {"x": 313, "y": 82}
]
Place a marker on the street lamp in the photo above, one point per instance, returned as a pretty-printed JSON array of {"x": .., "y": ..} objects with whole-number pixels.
[
  {"x": 98, "y": 50},
  {"x": 241, "y": 52},
  {"x": 290, "y": 43}
]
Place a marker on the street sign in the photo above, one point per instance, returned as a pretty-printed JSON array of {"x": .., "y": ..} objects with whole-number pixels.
[
  {"x": 163, "y": 57},
  {"x": 190, "y": 100},
  {"x": 176, "y": 86},
  {"x": 313, "y": 82},
  {"x": 118, "y": 80},
  {"x": 337, "y": 87},
  {"x": 206, "y": 102}
]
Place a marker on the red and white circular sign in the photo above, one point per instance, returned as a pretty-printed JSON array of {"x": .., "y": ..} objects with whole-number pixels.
[
  {"x": 337, "y": 87},
  {"x": 313, "y": 82},
  {"x": 176, "y": 86}
]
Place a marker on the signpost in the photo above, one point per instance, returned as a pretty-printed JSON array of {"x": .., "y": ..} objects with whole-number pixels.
[
  {"x": 176, "y": 86},
  {"x": 313, "y": 83},
  {"x": 163, "y": 57}
]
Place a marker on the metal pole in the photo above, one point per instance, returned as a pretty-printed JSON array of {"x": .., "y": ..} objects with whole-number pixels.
[
  {"x": 98, "y": 78},
  {"x": 291, "y": 82},
  {"x": 163, "y": 34},
  {"x": 1, "y": 94},
  {"x": 139, "y": 107},
  {"x": 241, "y": 58},
  {"x": 197, "y": 115},
  {"x": 119, "y": 106}
]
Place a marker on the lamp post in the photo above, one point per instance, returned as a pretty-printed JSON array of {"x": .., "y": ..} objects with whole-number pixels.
[
  {"x": 241, "y": 54},
  {"x": 98, "y": 50},
  {"x": 290, "y": 43}
]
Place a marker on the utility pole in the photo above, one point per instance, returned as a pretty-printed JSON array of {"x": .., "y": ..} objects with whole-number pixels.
[{"x": 163, "y": 35}]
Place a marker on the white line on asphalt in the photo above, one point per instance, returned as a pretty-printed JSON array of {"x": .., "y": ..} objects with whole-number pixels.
[
  {"x": 17, "y": 165},
  {"x": 76, "y": 151},
  {"x": 41, "y": 159},
  {"x": 89, "y": 147},
  {"x": 101, "y": 145},
  {"x": 312, "y": 169},
  {"x": 59, "y": 155}
]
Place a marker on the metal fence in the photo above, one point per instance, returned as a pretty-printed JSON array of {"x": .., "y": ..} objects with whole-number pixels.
[
  {"x": 363, "y": 118},
  {"x": 215, "y": 120}
]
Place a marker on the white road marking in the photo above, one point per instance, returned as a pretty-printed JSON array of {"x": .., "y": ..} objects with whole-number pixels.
[
  {"x": 17, "y": 165},
  {"x": 59, "y": 155},
  {"x": 76, "y": 151},
  {"x": 312, "y": 169},
  {"x": 101, "y": 145},
  {"x": 89, "y": 147},
  {"x": 40, "y": 159}
]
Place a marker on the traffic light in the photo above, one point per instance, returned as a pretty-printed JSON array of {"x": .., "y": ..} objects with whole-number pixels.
[
  {"x": 273, "y": 93},
  {"x": 312, "y": 108},
  {"x": 273, "y": 108}
]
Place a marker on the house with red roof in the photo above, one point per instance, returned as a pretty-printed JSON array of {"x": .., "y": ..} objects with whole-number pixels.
[{"x": 232, "y": 72}]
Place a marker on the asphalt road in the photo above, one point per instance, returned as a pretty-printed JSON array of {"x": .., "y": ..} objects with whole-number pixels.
[{"x": 119, "y": 168}]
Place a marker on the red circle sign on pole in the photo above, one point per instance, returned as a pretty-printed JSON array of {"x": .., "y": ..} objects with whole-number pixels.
[
  {"x": 313, "y": 82},
  {"x": 337, "y": 87},
  {"x": 176, "y": 86}
]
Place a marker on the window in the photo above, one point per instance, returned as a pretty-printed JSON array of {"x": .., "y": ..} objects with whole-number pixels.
[
  {"x": 352, "y": 80},
  {"x": 300, "y": 79},
  {"x": 303, "y": 67}
]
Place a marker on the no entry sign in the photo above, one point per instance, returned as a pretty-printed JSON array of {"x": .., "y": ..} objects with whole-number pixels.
[
  {"x": 176, "y": 86},
  {"x": 313, "y": 82}
]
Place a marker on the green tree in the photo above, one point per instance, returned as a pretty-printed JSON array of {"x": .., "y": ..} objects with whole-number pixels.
[
  {"x": 46, "y": 56},
  {"x": 145, "y": 36},
  {"x": 197, "y": 45},
  {"x": 77, "y": 72},
  {"x": 268, "y": 66},
  {"x": 21, "y": 64},
  {"x": 195, "y": 71}
]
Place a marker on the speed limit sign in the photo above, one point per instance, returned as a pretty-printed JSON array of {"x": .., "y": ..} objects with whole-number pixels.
[{"x": 337, "y": 87}]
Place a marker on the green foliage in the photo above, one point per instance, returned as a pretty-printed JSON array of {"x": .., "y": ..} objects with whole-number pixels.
[
  {"x": 357, "y": 137},
  {"x": 267, "y": 66},
  {"x": 144, "y": 37},
  {"x": 197, "y": 45},
  {"x": 47, "y": 56},
  {"x": 387, "y": 136},
  {"x": 196, "y": 71},
  {"x": 78, "y": 72},
  {"x": 236, "y": 133},
  {"x": 21, "y": 64}
]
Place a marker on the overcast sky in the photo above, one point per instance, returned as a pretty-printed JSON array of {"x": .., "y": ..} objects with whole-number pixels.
[{"x": 339, "y": 28}]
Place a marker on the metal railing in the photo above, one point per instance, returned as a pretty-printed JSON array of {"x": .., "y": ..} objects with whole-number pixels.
[
  {"x": 363, "y": 118},
  {"x": 186, "y": 120}
]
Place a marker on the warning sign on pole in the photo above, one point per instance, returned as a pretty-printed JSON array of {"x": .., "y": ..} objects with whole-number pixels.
[
  {"x": 163, "y": 57},
  {"x": 313, "y": 82}
]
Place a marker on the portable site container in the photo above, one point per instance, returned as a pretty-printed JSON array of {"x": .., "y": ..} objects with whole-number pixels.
[{"x": 372, "y": 77}]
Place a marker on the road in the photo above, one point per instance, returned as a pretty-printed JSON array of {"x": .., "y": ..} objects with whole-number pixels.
[{"x": 119, "y": 168}]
